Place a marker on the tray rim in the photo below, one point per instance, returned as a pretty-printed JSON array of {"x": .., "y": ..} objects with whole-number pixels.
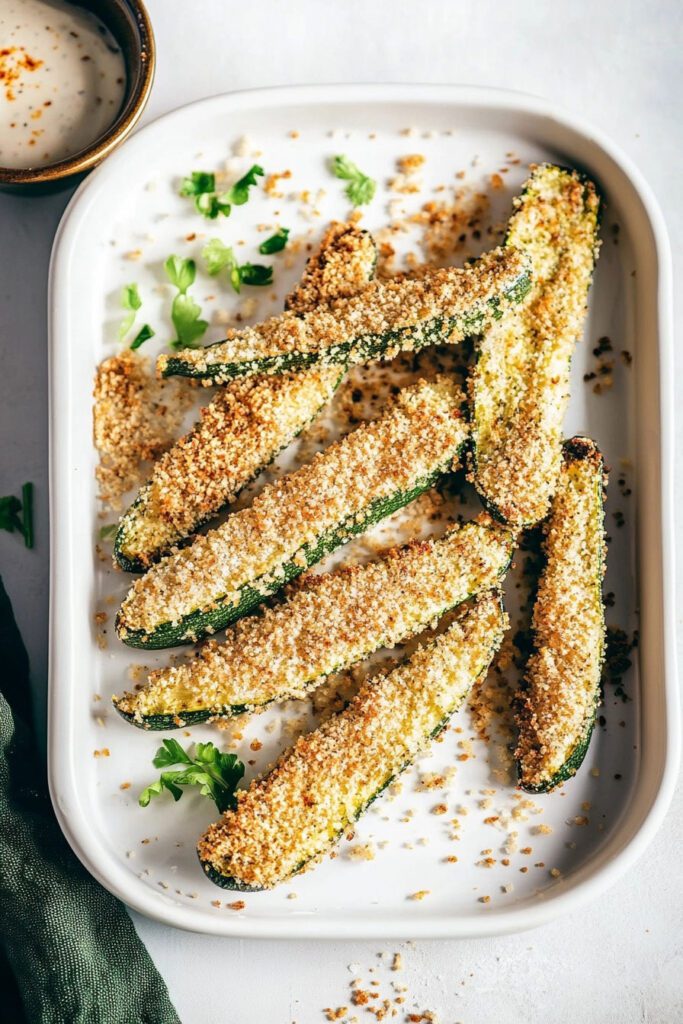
[{"x": 591, "y": 879}]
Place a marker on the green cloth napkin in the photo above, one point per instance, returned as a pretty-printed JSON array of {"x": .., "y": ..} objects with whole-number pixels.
[{"x": 70, "y": 946}]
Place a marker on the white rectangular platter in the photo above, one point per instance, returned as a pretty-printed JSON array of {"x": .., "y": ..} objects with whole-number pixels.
[{"x": 578, "y": 839}]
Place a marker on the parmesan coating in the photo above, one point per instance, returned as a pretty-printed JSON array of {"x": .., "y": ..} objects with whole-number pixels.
[
  {"x": 419, "y": 435},
  {"x": 334, "y": 621},
  {"x": 388, "y": 316},
  {"x": 134, "y": 420},
  {"x": 239, "y": 433},
  {"x": 325, "y": 782},
  {"x": 343, "y": 265},
  {"x": 520, "y": 387},
  {"x": 247, "y": 423},
  {"x": 562, "y": 684}
]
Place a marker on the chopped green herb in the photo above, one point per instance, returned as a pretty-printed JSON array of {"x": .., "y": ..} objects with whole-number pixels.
[
  {"x": 186, "y": 320},
  {"x": 218, "y": 257},
  {"x": 143, "y": 335},
  {"x": 109, "y": 532},
  {"x": 239, "y": 193},
  {"x": 216, "y": 774},
  {"x": 130, "y": 300},
  {"x": 185, "y": 312},
  {"x": 180, "y": 272},
  {"x": 201, "y": 187},
  {"x": 360, "y": 188},
  {"x": 255, "y": 274},
  {"x": 275, "y": 243},
  {"x": 198, "y": 183},
  {"x": 17, "y": 514},
  {"x": 211, "y": 205}
]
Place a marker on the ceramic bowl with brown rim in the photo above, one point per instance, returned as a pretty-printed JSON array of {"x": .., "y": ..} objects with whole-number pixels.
[{"x": 128, "y": 23}]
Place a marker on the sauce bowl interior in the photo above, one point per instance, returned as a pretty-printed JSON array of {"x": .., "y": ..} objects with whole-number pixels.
[{"x": 129, "y": 23}]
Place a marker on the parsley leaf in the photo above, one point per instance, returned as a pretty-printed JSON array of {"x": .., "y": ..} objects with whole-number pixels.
[
  {"x": 17, "y": 514},
  {"x": 218, "y": 257},
  {"x": 255, "y": 274},
  {"x": 239, "y": 193},
  {"x": 188, "y": 325},
  {"x": 181, "y": 273},
  {"x": 275, "y": 243},
  {"x": 184, "y": 311},
  {"x": 215, "y": 773},
  {"x": 201, "y": 187},
  {"x": 130, "y": 300},
  {"x": 360, "y": 189},
  {"x": 109, "y": 532},
  {"x": 198, "y": 183},
  {"x": 143, "y": 335}
]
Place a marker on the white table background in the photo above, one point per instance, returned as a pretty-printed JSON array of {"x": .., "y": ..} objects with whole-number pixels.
[{"x": 617, "y": 62}]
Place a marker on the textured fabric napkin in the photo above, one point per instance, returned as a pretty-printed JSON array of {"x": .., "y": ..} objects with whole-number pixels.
[{"x": 70, "y": 949}]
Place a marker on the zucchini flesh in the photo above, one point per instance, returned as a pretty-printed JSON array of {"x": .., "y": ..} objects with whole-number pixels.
[
  {"x": 389, "y": 316},
  {"x": 327, "y": 780},
  {"x": 561, "y": 691},
  {"x": 337, "y": 620},
  {"x": 520, "y": 386},
  {"x": 246, "y": 425},
  {"x": 294, "y": 522}
]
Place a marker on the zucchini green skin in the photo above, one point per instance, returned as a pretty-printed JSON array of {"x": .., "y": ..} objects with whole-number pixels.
[
  {"x": 200, "y": 623},
  {"x": 363, "y": 348},
  {"x": 198, "y": 715},
  {"x": 577, "y": 448},
  {"x": 571, "y": 766},
  {"x": 231, "y": 883},
  {"x": 136, "y": 565}
]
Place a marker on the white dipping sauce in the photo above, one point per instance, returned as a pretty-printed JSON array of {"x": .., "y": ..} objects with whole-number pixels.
[{"x": 62, "y": 81}]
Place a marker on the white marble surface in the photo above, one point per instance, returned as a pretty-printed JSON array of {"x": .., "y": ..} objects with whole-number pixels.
[{"x": 616, "y": 62}]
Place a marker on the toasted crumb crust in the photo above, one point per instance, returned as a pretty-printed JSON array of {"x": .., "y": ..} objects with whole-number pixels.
[
  {"x": 556, "y": 707},
  {"x": 239, "y": 433},
  {"x": 520, "y": 387},
  {"x": 343, "y": 265},
  {"x": 387, "y": 317},
  {"x": 336, "y": 620},
  {"x": 247, "y": 423},
  {"x": 420, "y": 434},
  {"x": 134, "y": 420},
  {"x": 326, "y": 781}
]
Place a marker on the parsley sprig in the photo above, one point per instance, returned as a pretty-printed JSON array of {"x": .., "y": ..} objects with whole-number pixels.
[
  {"x": 216, "y": 774},
  {"x": 218, "y": 257},
  {"x": 201, "y": 187},
  {"x": 185, "y": 312},
  {"x": 360, "y": 189},
  {"x": 17, "y": 514}
]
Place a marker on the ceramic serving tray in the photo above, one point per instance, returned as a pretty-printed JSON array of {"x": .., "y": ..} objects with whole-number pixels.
[{"x": 494, "y": 860}]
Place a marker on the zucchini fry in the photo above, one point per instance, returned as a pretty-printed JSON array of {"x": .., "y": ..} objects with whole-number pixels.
[
  {"x": 561, "y": 691},
  {"x": 520, "y": 386},
  {"x": 246, "y": 425},
  {"x": 335, "y": 621},
  {"x": 294, "y": 522},
  {"x": 328, "y": 779},
  {"x": 389, "y": 316}
]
